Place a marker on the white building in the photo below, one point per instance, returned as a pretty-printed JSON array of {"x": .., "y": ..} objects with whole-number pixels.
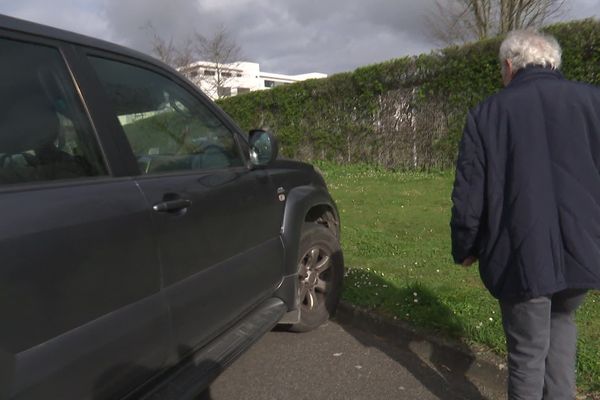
[{"x": 225, "y": 80}]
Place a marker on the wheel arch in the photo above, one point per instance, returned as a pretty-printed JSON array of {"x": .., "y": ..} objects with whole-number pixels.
[{"x": 304, "y": 204}]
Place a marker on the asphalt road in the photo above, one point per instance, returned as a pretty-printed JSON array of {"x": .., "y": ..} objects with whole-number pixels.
[{"x": 343, "y": 362}]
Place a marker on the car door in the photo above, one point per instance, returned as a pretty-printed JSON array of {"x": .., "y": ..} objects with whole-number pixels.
[
  {"x": 80, "y": 305},
  {"x": 218, "y": 221}
]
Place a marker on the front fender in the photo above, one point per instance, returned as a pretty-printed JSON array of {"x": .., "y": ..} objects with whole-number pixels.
[{"x": 300, "y": 201}]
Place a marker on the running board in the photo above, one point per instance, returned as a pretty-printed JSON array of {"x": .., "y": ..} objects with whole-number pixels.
[
  {"x": 204, "y": 366},
  {"x": 291, "y": 317}
]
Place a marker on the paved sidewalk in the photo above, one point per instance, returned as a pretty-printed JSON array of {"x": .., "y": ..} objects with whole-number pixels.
[
  {"x": 468, "y": 371},
  {"x": 357, "y": 357}
]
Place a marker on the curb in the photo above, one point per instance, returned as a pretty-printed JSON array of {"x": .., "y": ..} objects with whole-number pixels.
[
  {"x": 479, "y": 365},
  {"x": 452, "y": 359}
]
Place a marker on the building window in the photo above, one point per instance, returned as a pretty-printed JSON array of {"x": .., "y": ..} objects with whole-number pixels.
[
  {"x": 226, "y": 74},
  {"x": 243, "y": 90},
  {"x": 272, "y": 84},
  {"x": 209, "y": 72},
  {"x": 239, "y": 74},
  {"x": 193, "y": 74},
  {"x": 224, "y": 91}
]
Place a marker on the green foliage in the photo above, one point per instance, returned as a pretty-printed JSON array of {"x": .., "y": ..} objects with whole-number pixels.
[
  {"x": 342, "y": 118},
  {"x": 580, "y": 43},
  {"x": 164, "y": 132}
]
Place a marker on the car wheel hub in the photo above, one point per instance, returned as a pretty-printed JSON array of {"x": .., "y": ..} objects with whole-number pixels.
[{"x": 313, "y": 276}]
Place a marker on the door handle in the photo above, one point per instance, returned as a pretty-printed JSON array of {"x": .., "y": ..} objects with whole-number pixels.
[{"x": 172, "y": 205}]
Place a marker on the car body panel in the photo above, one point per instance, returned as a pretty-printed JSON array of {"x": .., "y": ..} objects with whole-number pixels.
[
  {"x": 75, "y": 260},
  {"x": 101, "y": 296},
  {"x": 220, "y": 255}
]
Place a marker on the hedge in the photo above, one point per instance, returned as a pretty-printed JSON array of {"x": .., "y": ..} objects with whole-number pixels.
[{"x": 406, "y": 113}]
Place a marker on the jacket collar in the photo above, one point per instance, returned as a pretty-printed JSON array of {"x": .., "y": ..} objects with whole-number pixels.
[{"x": 534, "y": 72}]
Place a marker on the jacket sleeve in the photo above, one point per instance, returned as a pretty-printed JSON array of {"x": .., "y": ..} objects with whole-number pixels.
[{"x": 468, "y": 195}]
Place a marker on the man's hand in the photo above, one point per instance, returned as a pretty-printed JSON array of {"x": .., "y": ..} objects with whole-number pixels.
[{"x": 469, "y": 261}]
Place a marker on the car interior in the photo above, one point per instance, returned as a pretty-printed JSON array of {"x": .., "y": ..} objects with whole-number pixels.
[{"x": 39, "y": 139}]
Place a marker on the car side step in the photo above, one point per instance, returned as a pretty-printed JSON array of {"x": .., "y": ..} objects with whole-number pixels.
[{"x": 205, "y": 365}]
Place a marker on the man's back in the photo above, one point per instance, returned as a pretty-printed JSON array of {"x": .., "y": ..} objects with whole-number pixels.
[
  {"x": 526, "y": 203},
  {"x": 540, "y": 141}
]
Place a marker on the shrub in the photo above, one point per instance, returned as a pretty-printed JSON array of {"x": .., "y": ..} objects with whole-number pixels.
[{"x": 406, "y": 113}]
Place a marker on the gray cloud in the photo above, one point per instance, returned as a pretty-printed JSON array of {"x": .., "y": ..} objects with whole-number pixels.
[
  {"x": 286, "y": 36},
  {"x": 335, "y": 36},
  {"x": 82, "y": 17},
  {"x": 171, "y": 19}
]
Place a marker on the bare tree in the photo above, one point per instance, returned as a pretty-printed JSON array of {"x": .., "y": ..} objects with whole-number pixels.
[
  {"x": 175, "y": 55},
  {"x": 459, "y": 21},
  {"x": 223, "y": 54},
  {"x": 527, "y": 13},
  {"x": 209, "y": 61}
]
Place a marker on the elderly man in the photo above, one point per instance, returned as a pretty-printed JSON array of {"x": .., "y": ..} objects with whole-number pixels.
[{"x": 527, "y": 205}]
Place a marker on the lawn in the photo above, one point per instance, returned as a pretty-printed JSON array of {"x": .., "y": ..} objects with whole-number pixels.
[{"x": 396, "y": 242}]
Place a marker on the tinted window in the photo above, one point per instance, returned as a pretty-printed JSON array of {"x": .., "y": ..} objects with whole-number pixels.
[
  {"x": 44, "y": 133},
  {"x": 167, "y": 127}
]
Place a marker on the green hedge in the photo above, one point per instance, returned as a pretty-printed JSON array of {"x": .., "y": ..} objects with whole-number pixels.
[{"x": 404, "y": 113}]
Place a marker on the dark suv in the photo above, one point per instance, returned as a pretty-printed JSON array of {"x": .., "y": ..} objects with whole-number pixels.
[{"x": 145, "y": 241}]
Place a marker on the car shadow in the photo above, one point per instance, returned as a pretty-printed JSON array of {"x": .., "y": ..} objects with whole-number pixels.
[
  {"x": 447, "y": 368},
  {"x": 117, "y": 382},
  {"x": 204, "y": 395}
]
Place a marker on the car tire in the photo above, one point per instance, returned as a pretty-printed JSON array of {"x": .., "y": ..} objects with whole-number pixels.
[{"x": 320, "y": 274}]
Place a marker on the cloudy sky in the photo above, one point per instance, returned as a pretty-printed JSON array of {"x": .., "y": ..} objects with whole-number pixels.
[{"x": 284, "y": 36}]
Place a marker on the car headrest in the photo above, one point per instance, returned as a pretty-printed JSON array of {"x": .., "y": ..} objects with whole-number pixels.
[{"x": 28, "y": 122}]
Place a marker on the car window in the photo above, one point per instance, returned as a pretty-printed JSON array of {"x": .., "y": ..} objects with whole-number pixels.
[
  {"x": 44, "y": 133},
  {"x": 168, "y": 128}
]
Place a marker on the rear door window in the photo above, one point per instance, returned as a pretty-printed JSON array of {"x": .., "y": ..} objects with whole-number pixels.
[
  {"x": 167, "y": 127},
  {"x": 44, "y": 133}
]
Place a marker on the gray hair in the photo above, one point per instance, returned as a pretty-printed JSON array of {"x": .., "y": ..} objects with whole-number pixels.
[{"x": 528, "y": 47}]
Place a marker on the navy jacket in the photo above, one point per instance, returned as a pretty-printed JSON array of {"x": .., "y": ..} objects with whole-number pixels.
[{"x": 527, "y": 190}]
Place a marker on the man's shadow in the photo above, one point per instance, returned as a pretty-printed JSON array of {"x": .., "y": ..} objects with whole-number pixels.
[{"x": 442, "y": 366}]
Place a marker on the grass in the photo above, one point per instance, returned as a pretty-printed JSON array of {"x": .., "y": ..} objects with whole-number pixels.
[{"x": 396, "y": 242}]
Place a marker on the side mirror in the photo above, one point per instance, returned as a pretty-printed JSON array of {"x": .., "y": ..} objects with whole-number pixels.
[{"x": 264, "y": 148}]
